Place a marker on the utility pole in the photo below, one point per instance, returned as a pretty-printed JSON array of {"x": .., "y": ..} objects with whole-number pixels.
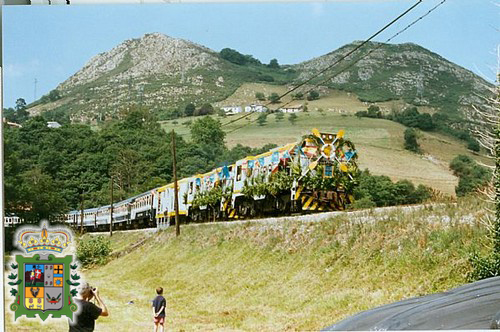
[
  {"x": 111, "y": 210},
  {"x": 34, "y": 94},
  {"x": 176, "y": 191},
  {"x": 81, "y": 212}
]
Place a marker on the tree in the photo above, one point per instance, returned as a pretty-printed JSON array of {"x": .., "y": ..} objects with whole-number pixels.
[
  {"x": 207, "y": 131},
  {"x": 473, "y": 145},
  {"x": 233, "y": 56},
  {"x": 54, "y": 95},
  {"x": 261, "y": 120},
  {"x": 260, "y": 96},
  {"x": 189, "y": 109},
  {"x": 273, "y": 64},
  {"x": 298, "y": 96},
  {"x": 274, "y": 98},
  {"x": 205, "y": 109},
  {"x": 471, "y": 175},
  {"x": 313, "y": 95},
  {"x": 292, "y": 118},
  {"x": 279, "y": 116},
  {"x": 20, "y": 104},
  {"x": 411, "y": 143},
  {"x": 425, "y": 122},
  {"x": 221, "y": 112},
  {"x": 373, "y": 111},
  {"x": 21, "y": 113}
]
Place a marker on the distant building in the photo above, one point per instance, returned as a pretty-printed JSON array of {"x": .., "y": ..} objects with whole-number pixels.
[
  {"x": 11, "y": 124},
  {"x": 230, "y": 110},
  {"x": 292, "y": 109},
  {"x": 53, "y": 124},
  {"x": 255, "y": 108}
]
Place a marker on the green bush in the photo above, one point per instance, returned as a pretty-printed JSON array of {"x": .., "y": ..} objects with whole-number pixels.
[
  {"x": 383, "y": 192},
  {"x": 471, "y": 176},
  {"x": 411, "y": 143},
  {"x": 93, "y": 250},
  {"x": 484, "y": 266},
  {"x": 364, "y": 203}
]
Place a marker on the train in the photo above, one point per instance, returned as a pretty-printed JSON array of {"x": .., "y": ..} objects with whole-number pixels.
[{"x": 317, "y": 173}]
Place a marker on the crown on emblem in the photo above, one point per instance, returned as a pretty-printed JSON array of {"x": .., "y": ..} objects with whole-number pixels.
[{"x": 49, "y": 240}]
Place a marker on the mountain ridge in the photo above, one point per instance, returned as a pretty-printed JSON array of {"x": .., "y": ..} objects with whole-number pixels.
[{"x": 163, "y": 73}]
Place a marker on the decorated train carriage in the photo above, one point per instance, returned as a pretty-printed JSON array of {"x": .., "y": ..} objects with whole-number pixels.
[
  {"x": 211, "y": 194},
  {"x": 317, "y": 173},
  {"x": 164, "y": 201},
  {"x": 325, "y": 172}
]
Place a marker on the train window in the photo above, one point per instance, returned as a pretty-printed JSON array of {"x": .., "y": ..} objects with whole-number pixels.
[
  {"x": 238, "y": 173},
  {"x": 328, "y": 170}
]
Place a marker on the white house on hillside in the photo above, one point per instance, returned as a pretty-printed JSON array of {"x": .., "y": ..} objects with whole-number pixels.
[
  {"x": 291, "y": 109},
  {"x": 53, "y": 124},
  {"x": 255, "y": 108},
  {"x": 230, "y": 110}
]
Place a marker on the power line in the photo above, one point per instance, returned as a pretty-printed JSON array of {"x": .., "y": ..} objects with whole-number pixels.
[
  {"x": 339, "y": 60},
  {"x": 373, "y": 49},
  {"x": 348, "y": 66}
]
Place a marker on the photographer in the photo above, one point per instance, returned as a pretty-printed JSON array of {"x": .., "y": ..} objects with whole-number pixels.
[{"x": 88, "y": 312}]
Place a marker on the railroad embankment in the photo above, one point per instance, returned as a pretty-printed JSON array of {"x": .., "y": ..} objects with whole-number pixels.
[{"x": 285, "y": 274}]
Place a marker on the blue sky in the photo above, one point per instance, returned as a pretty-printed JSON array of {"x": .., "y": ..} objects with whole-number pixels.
[{"x": 50, "y": 43}]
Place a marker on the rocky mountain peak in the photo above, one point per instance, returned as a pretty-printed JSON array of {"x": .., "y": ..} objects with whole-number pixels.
[{"x": 152, "y": 54}]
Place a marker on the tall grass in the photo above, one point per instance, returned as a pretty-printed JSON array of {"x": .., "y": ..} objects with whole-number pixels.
[{"x": 290, "y": 275}]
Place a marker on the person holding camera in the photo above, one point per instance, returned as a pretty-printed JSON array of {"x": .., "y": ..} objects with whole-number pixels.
[{"x": 88, "y": 312}]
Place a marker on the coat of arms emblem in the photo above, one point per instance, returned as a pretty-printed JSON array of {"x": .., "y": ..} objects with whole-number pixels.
[{"x": 44, "y": 279}]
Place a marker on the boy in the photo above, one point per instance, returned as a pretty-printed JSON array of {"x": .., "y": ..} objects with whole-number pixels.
[{"x": 159, "y": 304}]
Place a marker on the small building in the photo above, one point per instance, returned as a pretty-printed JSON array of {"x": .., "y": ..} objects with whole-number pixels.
[
  {"x": 53, "y": 124},
  {"x": 255, "y": 108},
  {"x": 292, "y": 109},
  {"x": 11, "y": 124},
  {"x": 230, "y": 110}
]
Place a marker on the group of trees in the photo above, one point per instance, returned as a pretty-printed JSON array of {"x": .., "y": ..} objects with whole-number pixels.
[
  {"x": 471, "y": 176},
  {"x": 376, "y": 190},
  {"x": 412, "y": 118},
  {"x": 245, "y": 59},
  {"x": 204, "y": 109},
  {"x": 18, "y": 114},
  {"x": 49, "y": 171}
]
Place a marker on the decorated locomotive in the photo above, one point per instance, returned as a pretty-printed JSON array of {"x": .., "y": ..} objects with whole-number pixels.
[{"x": 318, "y": 173}]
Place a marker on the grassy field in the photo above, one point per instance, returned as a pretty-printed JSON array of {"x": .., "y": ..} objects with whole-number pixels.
[
  {"x": 379, "y": 142},
  {"x": 287, "y": 275}
]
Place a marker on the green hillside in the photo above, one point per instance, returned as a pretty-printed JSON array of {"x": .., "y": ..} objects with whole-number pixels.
[
  {"x": 164, "y": 74},
  {"x": 283, "y": 276},
  {"x": 380, "y": 142}
]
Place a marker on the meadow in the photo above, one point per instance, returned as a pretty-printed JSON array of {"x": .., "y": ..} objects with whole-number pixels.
[
  {"x": 380, "y": 142},
  {"x": 283, "y": 275}
]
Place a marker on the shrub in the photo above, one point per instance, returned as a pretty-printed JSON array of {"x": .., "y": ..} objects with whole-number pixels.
[
  {"x": 260, "y": 96},
  {"x": 313, "y": 95},
  {"x": 473, "y": 145},
  {"x": 94, "y": 250},
  {"x": 383, "y": 192},
  {"x": 364, "y": 203},
  {"x": 411, "y": 140},
  {"x": 484, "y": 267},
  {"x": 471, "y": 175}
]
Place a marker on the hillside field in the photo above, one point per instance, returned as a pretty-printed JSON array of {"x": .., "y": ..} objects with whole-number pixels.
[
  {"x": 283, "y": 275},
  {"x": 379, "y": 142}
]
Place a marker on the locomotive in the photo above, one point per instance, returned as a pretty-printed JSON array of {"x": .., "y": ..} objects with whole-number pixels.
[{"x": 317, "y": 173}]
